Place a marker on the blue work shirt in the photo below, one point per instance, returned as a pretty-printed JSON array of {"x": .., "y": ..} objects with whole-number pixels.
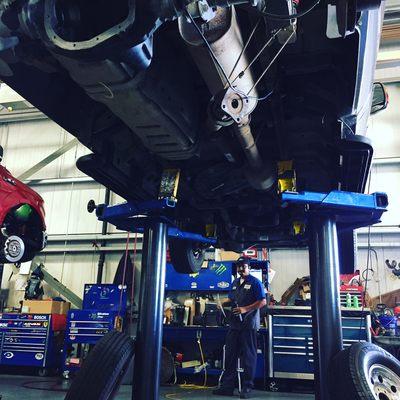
[{"x": 250, "y": 291}]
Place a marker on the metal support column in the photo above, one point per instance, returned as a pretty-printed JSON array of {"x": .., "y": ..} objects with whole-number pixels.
[
  {"x": 325, "y": 298},
  {"x": 151, "y": 311}
]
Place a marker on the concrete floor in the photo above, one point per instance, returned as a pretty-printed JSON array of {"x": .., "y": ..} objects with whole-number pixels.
[{"x": 12, "y": 388}]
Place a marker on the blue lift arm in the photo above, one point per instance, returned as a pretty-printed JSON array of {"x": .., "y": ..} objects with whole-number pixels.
[
  {"x": 352, "y": 210},
  {"x": 136, "y": 216}
]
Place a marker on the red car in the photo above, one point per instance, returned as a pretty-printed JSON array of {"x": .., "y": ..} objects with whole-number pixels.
[{"x": 22, "y": 225}]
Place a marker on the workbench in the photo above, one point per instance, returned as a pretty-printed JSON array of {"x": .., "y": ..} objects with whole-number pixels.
[{"x": 184, "y": 340}]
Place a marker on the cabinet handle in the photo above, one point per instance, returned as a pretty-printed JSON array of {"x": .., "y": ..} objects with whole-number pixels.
[
  {"x": 288, "y": 338},
  {"x": 288, "y": 353}
]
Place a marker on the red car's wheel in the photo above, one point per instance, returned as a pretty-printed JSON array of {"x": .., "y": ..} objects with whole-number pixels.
[{"x": 14, "y": 249}]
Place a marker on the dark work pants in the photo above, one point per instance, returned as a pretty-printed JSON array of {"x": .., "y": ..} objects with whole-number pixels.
[{"x": 243, "y": 344}]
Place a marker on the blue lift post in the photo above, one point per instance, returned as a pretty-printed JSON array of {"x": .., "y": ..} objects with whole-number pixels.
[
  {"x": 151, "y": 219},
  {"x": 328, "y": 213},
  {"x": 151, "y": 311}
]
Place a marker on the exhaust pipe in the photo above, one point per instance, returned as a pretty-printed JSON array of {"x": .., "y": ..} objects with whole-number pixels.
[{"x": 226, "y": 41}]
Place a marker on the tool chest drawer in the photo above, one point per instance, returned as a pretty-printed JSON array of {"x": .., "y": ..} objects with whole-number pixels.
[
  {"x": 291, "y": 345},
  {"x": 88, "y": 326},
  {"x": 291, "y": 320},
  {"x": 293, "y": 331},
  {"x": 294, "y": 362}
]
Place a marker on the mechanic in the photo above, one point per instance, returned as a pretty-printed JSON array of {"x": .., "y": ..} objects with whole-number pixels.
[{"x": 246, "y": 297}]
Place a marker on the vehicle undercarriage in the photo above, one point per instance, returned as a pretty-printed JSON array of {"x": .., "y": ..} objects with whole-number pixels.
[{"x": 240, "y": 96}]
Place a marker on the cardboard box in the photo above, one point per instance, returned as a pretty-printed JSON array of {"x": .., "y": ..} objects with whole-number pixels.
[
  {"x": 222, "y": 255},
  {"x": 45, "y": 307}
]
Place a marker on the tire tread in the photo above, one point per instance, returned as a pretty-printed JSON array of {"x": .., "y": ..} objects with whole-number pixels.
[{"x": 99, "y": 375}]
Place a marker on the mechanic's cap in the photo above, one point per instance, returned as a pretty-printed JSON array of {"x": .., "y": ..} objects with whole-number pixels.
[{"x": 242, "y": 261}]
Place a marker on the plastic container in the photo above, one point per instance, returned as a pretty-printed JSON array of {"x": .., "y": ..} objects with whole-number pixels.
[{"x": 348, "y": 300}]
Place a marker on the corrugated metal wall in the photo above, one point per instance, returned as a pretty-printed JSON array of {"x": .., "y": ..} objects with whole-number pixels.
[{"x": 69, "y": 225}]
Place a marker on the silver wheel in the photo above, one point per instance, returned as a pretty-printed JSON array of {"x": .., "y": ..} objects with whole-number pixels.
[
  {"x": 384, "y": 383},
  {"x": 14, "y": 249}
]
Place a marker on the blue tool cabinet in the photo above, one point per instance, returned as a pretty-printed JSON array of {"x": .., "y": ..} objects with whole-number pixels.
[
  {"x": 291, "y": 350},
  {"x": 88, "y": 326},
  {"x": 102, "y": 303},
  {"x": 85, "y": 327},
  {"x": 105, "y": 296},
  {"x": 28, "y": 340}
]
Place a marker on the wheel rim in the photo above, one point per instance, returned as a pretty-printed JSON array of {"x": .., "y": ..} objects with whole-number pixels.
[
  {"x": 384, "y": 383},
  {"x": 197, "y": 252},
  {"x": 14, "y": 248}
]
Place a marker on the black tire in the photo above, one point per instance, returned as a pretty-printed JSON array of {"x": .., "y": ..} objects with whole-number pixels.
[
  {"x": 186, "y": 256},
  {"x": 43, "y": 372},
  {"x": 167, "y": 366},
  {"x": 105, "y": 366},
  {"x": 355, "y": 374}
]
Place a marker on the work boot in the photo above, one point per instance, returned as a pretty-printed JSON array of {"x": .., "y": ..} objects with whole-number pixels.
[
  {"x": 221, "y": 391},
  {"x": 245, "y": 393}
]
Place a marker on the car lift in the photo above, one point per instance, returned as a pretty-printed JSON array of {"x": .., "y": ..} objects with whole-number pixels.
[{"x": 326, "y": 213}]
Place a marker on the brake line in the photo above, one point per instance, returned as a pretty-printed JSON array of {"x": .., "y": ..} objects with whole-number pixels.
[
  {"x": 272, "y": 61},
  {"x": 258, "y": 55},
  {"x": 245, "y": 48},
  {"x": 290, "y": 16},
  {"x": 214, "y": 57}
]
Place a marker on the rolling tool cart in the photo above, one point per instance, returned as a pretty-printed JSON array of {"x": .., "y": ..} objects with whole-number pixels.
[
  {"x": 31, "y": 340},
  {"x": 291, "y": 344},
  {"x": 104, "y": 309}
]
